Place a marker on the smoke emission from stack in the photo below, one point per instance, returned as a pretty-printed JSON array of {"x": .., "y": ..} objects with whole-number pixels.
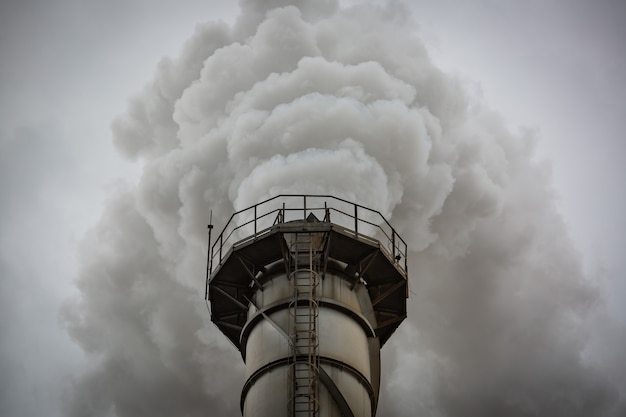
[{"x": 312, "y": 98}]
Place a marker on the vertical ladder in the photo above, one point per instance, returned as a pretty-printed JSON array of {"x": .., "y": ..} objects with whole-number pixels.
[{"x": 303, "y": 310}]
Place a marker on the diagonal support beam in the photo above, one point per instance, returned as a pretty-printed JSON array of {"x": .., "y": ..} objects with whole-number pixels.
[
  {"x": 326, "y": 249},
  {"x": 388, "y": 292},
  {"x": 368, "y": 259},
  {"x": 270, "y": 321},
  {"x": 332, "y": 388},
  {"x": 228, "y": 325},
  {"x": 250, "y": 274},
  {"x": 231, "y": 298},
  {"x": 388, "y": 322},
  {"x": 388, "y": 311},
  {"x": 231, "y": 284}
]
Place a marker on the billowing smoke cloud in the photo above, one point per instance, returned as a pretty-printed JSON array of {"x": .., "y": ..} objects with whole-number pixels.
[{"x": 312, "y": 98}]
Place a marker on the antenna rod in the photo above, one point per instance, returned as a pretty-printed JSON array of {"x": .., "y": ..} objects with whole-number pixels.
[{"x": 208, "y": 258}]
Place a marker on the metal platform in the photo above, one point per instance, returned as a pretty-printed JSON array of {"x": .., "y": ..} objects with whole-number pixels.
[{"x": 359, "y": 240}]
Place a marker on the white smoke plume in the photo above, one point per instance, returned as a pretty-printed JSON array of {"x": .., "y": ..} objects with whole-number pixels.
[{"x": 309, "y": 97}]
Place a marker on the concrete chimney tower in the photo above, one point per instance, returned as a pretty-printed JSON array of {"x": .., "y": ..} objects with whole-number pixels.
[{"x": 308, "y": 288}]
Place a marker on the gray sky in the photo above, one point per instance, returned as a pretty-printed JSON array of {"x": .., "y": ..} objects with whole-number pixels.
[
  {"x": 67, "y": 70},
  {"x": 556, "y": 67}
]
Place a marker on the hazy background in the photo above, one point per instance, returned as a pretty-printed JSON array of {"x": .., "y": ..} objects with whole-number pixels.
[{"x": 67, "y": 70}]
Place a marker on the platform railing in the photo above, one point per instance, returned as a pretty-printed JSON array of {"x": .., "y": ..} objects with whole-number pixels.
[{"x": 255, "y": 221}]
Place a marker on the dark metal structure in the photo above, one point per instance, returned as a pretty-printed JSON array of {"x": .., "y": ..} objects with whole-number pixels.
[{"x": 308, "y": 288}]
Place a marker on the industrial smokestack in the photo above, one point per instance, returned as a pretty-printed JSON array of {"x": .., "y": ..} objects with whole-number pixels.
[
  {"x": 318, "y": 98},
  {"x": 308, "y": 288}
]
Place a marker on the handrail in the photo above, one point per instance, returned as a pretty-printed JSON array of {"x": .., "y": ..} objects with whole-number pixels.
[{"x": 259, "y": 218}]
